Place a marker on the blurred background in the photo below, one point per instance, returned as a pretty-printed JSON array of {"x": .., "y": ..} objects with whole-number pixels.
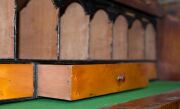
[{"x": 171, "y": 7}]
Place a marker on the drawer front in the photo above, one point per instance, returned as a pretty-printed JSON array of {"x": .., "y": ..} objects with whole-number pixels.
[
  {"x": 94, "y": 80},
  {"x": 16, "y": 81}
]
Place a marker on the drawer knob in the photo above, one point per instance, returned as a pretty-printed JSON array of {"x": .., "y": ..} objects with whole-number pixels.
[{"x": 121, "y": 78}]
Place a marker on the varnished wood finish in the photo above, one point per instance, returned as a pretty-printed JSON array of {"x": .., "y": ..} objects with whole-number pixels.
[
  {"x": 16, "y": 81},
  {"x": 120, "y": 39},
  {"x": 37, "y": 31},
  {"x": 74, "y": 38},
  {"x": 100, "y": 36},
  {"x": 150, "y": 68},
  {"x": 150, "y": 42},
  {"x": 7, "y": 15},
  {"x": 169, "y": 48},
  {"x": 136, "y": 41},
  {"x": 169, "y": 100},
  {"x": 84, "y": 81},
  {"x": 148, "y": 6}
]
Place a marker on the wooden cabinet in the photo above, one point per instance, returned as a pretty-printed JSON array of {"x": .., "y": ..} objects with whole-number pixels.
[{"x": 81, "y": 48}]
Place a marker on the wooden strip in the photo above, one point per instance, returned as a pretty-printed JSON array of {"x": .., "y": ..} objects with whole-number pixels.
[
  {"x": 74, "y": 38},
  {"x": 150, "y": 42},
  {"x": 7, "y": 15},
  {"x": 170, "y": 100},
  {"x": 37, "y": 30},
  {"x": 120, "y": 38},
  {"x": 100, "y": 36},
  {"x": 73, "y": 82},
  {"x": 16, "y": 81},
  {"x": 136, "y": 41}
]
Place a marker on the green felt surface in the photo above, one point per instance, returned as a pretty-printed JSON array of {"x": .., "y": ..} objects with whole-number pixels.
[{"x": 154, "y": 88}]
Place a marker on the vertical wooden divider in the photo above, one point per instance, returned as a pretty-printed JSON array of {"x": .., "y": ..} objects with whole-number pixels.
[
  {"x": 169, "y": 48},
  {"x": 150, "y": 42},
  {"x": 136, "y": 43},
  {"x": 120, "y": 38},
  {"x": 74, "y": 33},
  {"x": 100, "y": 36},
  {"x": 7, "y": 15},
  {"x": 37, "y": 31}
]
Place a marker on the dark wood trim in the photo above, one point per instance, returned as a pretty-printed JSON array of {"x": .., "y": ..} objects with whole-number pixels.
[
  {"x": 149, "y": 6},
  {"x": 169, "y": 100}
]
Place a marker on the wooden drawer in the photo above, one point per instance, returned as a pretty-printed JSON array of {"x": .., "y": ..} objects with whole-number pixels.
[
  {"x": 73, "y": 82},
  {"x": 16, "y": 81}
]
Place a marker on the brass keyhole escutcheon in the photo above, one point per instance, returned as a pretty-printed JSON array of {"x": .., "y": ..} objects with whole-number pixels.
[{"x": 121, "y": 78}]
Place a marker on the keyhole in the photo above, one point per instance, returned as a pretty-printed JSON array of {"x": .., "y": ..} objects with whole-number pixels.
[{"x": 121, "y": 78}]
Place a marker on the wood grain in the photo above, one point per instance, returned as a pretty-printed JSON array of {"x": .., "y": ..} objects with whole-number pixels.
[
  {"x": 136, "y": 41},
  {"x": 38, "y": 35},
  {"x": 100, "y": 36},
  {"x": 151, "y": 70},
  {"x": 168, "y": 100},
  {"x": 74, "y": 32},
  {"x": 148, "y": 6},
  {"x": 16, "y": 81},
  {"x": 120, "y": 38},
  {"x": 169, "y": 48},
  {"x": 74, "y": 82},
  {"x": 150, "y": 42},
  {"x": 7, "y": 15},
  {"x": 54, "y": 81}
]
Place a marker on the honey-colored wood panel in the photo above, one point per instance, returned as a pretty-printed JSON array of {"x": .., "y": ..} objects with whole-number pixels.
[
  {"x": 150, "y": 42},
  {"x": 89, "y": 80},
  {"x": 16, "y": 81},
  {"x": 7, "y": 15},
  {"x": 73, "y": 82},
  {"x": 150, "y": 68},
  {"x": 136, "y": 41},
  {"x": 37, "y": 30},
  {"x": 100, "y": 36},
  {"x": 120, "y": 38},
  {"x": 74, "y": 38}
]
